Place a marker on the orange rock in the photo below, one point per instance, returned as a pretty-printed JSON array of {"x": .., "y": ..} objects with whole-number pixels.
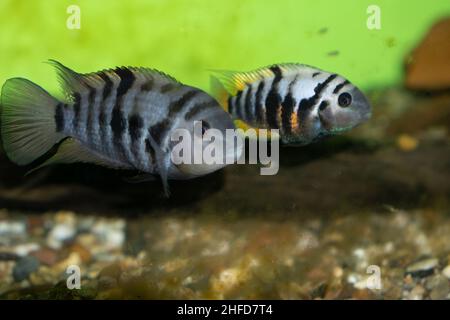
[
  {"x": 84, "y": 254},
  {"x": 428, "y": 67}
]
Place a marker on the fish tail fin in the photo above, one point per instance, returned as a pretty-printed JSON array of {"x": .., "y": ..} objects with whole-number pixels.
[{"x": 28, "y": 126}]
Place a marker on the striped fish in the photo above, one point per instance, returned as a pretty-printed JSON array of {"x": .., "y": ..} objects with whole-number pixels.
[
  {"x": 303, "y": 102},
  {"x": 120, "y": 118}
]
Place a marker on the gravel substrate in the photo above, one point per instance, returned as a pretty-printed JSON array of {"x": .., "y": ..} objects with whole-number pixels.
[{"x": 338, "y": 213}]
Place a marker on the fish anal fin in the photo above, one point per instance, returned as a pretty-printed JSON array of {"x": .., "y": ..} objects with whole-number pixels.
[
  {"x": 141, "y": 178},
  {"x": 71, "y": 151}
]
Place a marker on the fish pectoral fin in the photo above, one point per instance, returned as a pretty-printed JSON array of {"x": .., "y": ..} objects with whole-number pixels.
[
  {"x": 71, "y": 150},
  {"x": 163, "y": 163}
]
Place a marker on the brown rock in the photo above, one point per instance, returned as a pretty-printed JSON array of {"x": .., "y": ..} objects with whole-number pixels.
[
  {"x": 46, "y": 256},
  {"x": 429, "y": 64},
  {"x": 84, "y": 253}
]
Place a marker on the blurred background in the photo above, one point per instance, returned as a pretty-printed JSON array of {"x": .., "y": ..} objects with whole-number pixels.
[
  {"x": 376, "y": 196},
  {"x": 186, "y": 38}
]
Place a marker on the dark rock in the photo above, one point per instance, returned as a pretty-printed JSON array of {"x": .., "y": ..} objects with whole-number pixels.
[
  {"x": 24, "y": 267},
  {"x": 8, "y": 256},
  {"x": 422, "y": 268}
]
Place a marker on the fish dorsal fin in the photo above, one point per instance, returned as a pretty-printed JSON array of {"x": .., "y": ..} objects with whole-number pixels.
[
  {"x": 151, "y": 74},
  {"x": 71, "y": 150},
  {"x": 234, "y": 81},
  {"x": 72, "y": 81}
]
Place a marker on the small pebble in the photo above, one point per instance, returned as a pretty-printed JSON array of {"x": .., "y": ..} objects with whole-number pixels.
[
  {"x": 446, "y": 272},
  {"x": 416, "y": 293},
  {"x": 24, "y": 267},
  {"x": 12, "y": 228},
  {"x": 439, "y": 287},
  {"x": 111, "y": 233},
  {"x": 59, "y": 234},
  {"x": 422, "y": 268},
  {"x": 46, "y": 256},
  {"x": 25, "y": 249},
  {"x": 407, "y": 143}
]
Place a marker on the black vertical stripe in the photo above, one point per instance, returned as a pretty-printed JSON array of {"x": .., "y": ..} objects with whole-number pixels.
[
  {"x": 248, "y": 104},
  {"x": 231, "y": 105},
  {"x": 287, "y": 107},
  {"x": 150, "y": 151},
  {"x": 59, "y": 117},
  {"x": 118, "y": 120},
  {"x": 108, "y": 85},
  {"x": 319, "y": 88},
  {"x": 273, "y": 99},
  {"x": 135, "y": 124},
  {"x": 102, "y": 120},
  {"x": 323, "y": 105},
  {"x": 237, "y": 104},
  {"x": 91, "y": 95},
  {"x": 277, "y": 72},
  {"x": 148, "y": 85},
  {"x": 118, "y": 123},
  {"x": 307, "y": 104},
  {"x": 259, "y": 102},
  {"x": 272, "y": 105},
  {"x": 91, "y": 109},
  {"x": 127, "y": 79},
  {"x": 158, "y": 130},
  {"x": 76, "y": 108}
]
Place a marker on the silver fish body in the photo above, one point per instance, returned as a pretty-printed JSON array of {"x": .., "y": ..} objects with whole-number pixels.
[
  {"x": 304, "y": 103},
  {"x": 121, "y": 118}
]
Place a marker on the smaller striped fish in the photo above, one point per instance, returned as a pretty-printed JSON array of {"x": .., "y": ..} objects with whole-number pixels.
[
  {"x": 120, "y": 118},
  {"x": 303, "y": 102}
]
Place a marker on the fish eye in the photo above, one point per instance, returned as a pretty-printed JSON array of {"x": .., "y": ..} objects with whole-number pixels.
[
  {"x": 205, "y": 126},
  {"x": 344, "y": 99}
]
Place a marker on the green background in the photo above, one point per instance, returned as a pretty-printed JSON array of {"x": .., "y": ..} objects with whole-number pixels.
[{"x": 187, "y": 38}]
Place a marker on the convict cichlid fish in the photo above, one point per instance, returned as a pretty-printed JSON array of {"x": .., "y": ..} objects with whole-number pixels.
[
  {"x": 119, "y": 118},
  {"x": 302, "y": 102}
]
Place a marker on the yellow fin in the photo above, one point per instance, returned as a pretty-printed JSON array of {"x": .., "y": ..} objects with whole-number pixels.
[
  {"x": 257, "y": 133},
  {"x": 219, "y": 92},
  {"x": 234, "y": 81}
]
